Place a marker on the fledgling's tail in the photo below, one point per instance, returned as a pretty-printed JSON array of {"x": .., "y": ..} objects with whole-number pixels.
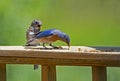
[{"x": 35, "y": 67}]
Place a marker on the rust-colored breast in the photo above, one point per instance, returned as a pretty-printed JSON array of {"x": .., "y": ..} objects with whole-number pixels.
[{"x": 49, "y": 39}]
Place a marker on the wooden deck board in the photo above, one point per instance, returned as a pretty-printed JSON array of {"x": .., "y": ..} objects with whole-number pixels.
[
  {"x": 76, "y": 55},
  {"x": 97, "y": 57}
]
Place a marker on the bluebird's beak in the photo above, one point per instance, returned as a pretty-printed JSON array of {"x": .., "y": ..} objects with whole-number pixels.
[{"x": 68, "y": 44}]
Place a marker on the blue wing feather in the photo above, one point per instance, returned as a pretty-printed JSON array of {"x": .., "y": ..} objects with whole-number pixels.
[
  {"x": 51, "y": 32},
  {"x": 47, "y": 33}
]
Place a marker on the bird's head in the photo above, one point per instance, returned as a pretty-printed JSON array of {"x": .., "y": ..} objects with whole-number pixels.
[
  {"x": 65, "y": 38},
  {"x": 36, "y": 24}
]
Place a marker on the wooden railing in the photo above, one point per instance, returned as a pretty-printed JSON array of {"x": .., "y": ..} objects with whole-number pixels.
[{"x": 97, "y": 57}]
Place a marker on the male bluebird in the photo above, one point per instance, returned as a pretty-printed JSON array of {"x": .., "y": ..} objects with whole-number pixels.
[
  {"x": 33, "y": 30},
  {"x": 50, "y": 36}
]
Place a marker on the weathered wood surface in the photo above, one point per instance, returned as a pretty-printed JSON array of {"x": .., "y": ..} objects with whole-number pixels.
[
  {"x": 97, "y": 57},
  {"x": 48, "y": 72},
  {"x": 99, "y": 73},
  {"x": 2, "y": 72},
  {"x": 76, "y": 55}
]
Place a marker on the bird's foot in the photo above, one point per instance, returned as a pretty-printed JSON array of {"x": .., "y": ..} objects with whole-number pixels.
[
  {"x": 56, "y": 47},
  {"x": 32, "y": 44},
  {"x": 45, "y": 46},
  {"x": 29, "y": 45}
]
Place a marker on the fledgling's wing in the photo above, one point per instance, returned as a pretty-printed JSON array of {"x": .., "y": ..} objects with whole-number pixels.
[{"x": 47, "y": 33}]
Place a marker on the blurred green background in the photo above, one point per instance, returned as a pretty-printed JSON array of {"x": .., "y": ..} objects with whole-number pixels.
[{"x": 88, "y": 22}]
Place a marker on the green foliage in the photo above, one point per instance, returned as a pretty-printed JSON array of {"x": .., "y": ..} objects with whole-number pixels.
[{"x": 88, "y": 22}]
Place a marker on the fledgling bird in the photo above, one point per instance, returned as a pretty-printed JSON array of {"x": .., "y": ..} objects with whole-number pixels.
[
  {"x": 31, "y": 33},
  {"x": 33, "y": 30},
  {"x": 50, "y": 36}
]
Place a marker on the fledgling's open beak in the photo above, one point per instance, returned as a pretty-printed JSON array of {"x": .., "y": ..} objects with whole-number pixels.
[{"x": 39, "y": 25}]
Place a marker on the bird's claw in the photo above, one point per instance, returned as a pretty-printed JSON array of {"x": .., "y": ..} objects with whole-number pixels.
[{"x": 56, "y": 47}]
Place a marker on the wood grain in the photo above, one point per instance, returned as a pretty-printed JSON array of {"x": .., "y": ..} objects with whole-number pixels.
[
  {"x": 19, "y": 55},
  {"x": 48, "y": 73},
  {"x": 99, "y": 73},
  {"x": 97, "y": 57},
  {"x": 2, "y": 72}
]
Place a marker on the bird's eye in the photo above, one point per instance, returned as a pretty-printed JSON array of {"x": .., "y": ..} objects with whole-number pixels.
[
  {"x": 36, "y": 22},
  {"x": 66, "y": 39}
]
